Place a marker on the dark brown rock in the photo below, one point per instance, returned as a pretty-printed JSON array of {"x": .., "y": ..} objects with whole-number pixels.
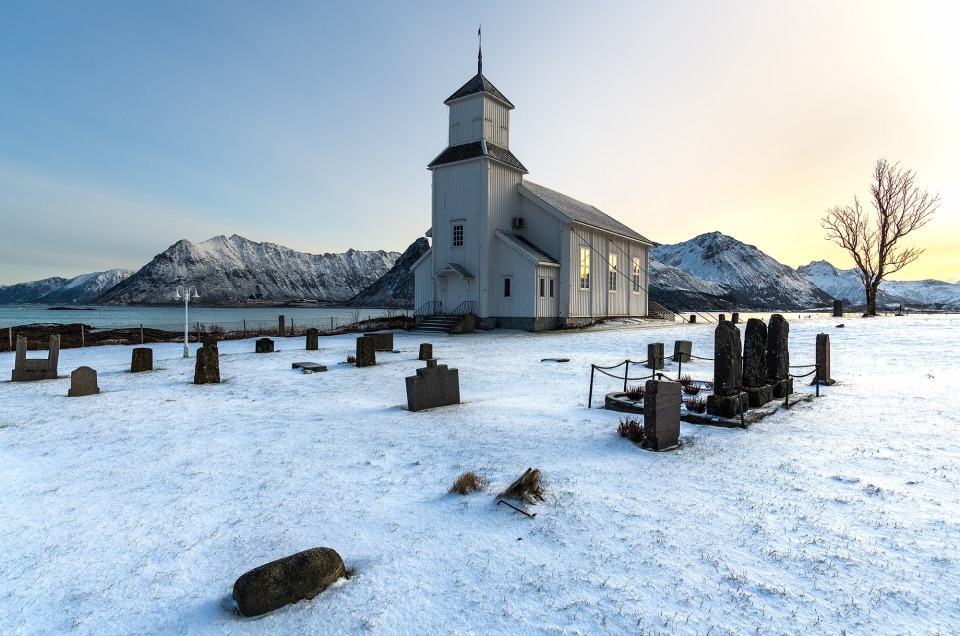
[
  {"x": 141, "y": 360},
  {"x": 294, "y": 578}
]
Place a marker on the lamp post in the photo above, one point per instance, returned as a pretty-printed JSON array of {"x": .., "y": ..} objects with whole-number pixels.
[{"x": 186, "y": 293}]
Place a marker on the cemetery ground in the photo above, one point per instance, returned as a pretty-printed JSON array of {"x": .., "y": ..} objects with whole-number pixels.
[{"x": 135, "y": 510}]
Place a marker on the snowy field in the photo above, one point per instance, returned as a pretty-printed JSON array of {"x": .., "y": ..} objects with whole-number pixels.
[{"x": 134, "y": 511}]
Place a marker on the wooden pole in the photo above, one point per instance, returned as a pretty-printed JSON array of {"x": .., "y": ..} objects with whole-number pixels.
[{"x": 141, "y": 333}]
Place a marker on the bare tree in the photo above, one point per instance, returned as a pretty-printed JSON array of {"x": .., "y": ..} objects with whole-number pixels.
[{"x": 873, "y": 239}]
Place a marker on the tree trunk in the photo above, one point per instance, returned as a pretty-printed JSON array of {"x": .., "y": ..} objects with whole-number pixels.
[{"x": 871, "y": 300}]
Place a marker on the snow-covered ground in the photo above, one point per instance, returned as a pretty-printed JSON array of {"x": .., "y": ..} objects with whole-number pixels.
[{"x": 134, "y": 511}]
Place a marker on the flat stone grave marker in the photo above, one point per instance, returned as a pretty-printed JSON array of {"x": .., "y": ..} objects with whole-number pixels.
[
  {"x": 309, "y": 367},
  {"x": 434, "y": 385},
  {"x": 83, "y": 381},
  {"x": 141, "y": 360}
]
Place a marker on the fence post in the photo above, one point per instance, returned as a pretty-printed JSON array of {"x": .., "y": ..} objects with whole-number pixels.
[
  {"x": 786, "y": 396},
  {"x": 244, "y": 327},
  {"x": 141, "y": 333},
  {"x": 590, "y": 396},
  {"x": 817, "y": 378},
  {"x": 83, "y": 340},
  {"x": 740, "y": 400},
  {"x": 198, "y": 331},
  {"x": 679, "y": 366},
  {"x": 626, "y": 374},
  {"x": 10, "y": 335},
  {"x": 331, "y": 323}
]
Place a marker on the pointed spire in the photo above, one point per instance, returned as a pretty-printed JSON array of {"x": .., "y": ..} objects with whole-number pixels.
[{"x": 480, "y": 51}]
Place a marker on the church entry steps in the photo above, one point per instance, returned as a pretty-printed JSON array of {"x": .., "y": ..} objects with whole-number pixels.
[{"x": 438, "y": 323}]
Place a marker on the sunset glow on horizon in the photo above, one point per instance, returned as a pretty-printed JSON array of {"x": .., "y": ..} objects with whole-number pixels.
[{"x": 125, "y": 127}]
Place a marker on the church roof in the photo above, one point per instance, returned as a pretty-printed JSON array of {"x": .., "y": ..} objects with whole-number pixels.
[
  {"x": 580, "y": 212},
  {"x": 528, "y": 248},
  {"x": 479, "y": 84},
  {"x": 476, "y": 149}
]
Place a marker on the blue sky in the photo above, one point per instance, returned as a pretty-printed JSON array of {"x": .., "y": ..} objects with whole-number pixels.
[{"x": 125, "y": 126}]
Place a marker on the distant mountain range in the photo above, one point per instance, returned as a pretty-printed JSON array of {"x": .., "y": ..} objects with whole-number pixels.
[{"x": 709, "y": 272}]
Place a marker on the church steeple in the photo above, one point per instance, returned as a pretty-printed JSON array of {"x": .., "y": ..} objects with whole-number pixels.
[{"x": 480, "y": 52}]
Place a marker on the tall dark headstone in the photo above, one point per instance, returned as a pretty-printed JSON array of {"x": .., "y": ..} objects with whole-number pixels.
[
  {"x": 83, "y": 381},
  {"x": 655, "y": 355},
  {"x": 264, "y": 345},
  {"x": 281, "y": 327},
  {"x": 682, "y": 350},
  {"x": 207, "y": 370},
  {"x": 823, "y": 359},
  {"x": 727, "y": 372},
  {"x": 661, "y": 414},
  {"x": 735, "y": 317},
  {"x": 838, "y": 309},
  {"x": 313, "y": 339},
  {"x": 693, "y": 318},
  {"x": 722, "y": 318},
  {"x": 366, "y": 352},
  {"x": 434, "y": 385},
  {"x": 778, "y": 356},
  {"x": 141, "y": 360},
  {"x": 426, "y": 351},
  {"x": 755, "y": 363}
]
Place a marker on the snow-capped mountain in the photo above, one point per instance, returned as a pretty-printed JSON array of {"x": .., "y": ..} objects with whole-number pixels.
[
  {"x": 748, "y": 278},
  {"x": 395, "y": 288},
  {"x": 845, "y": 285},
  {"x": 235, "y": 269},
  {"x": 672, "y": 287},
  {"x": 80, "y": 290},
  {"x": 30, "y": 292}
]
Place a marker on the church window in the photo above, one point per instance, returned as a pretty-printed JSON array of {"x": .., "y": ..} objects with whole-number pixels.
[
  {"x": 584, "y": 267},
  {"x": 551, "y": 288},
  {"x": 636, "y": 274},
  {"x": 458, "y": 235},
  {"x": 506, "y": 287},
  {"x": 543, "y": 287},
  {"x": 612, "y": 274}
]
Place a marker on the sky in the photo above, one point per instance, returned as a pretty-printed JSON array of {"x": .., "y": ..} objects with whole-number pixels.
[{"x": 127, "y": 126}]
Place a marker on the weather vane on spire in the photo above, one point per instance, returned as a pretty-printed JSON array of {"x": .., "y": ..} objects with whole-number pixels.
[{"x": 480, "y": 51}]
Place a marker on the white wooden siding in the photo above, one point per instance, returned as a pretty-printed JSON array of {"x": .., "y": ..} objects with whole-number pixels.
[
  {"x": 501, "y": 183},
  {"x": 457, "y": 196},
  {"x": 522, "y": 271},
  {"x": 599, "y": 300},
  {"x": 466, "y": 119},
  {"x": 547, "y": 306},
  {"x": 496, "y": 118},
  {"x": 423, "y": 290}
]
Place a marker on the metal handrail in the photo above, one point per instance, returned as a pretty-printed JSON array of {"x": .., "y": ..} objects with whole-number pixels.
[
  {"x": 426, "y": 309},
  {"x": 464, "y": 308}
]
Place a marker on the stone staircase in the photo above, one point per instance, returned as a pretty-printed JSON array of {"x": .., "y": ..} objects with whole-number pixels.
[{"x": 438, "y": 323}]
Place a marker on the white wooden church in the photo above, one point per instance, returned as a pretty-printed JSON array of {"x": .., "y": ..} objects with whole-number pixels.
[{"x": 517, "y": 254}]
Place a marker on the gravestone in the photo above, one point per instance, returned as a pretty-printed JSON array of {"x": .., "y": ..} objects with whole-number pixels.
[
  {"x": 722, "y": 318},
  {"x": 382, "y": 341},
  {"x": 83, "y": 381},
  {"x": 309, "y": 367},
  {"x": 755, "y": 363},
  {"x": 655, "y": 355},
  {"x": 426, "y": 351},
  {"x": 838, "y": 309},
  {"x": 264, "y": 345},
  {"x": 29, "y": 369},
  {"x": 313, "y": 339},
  {"x": 693, "y": 318},
  {"x": 778, "y": 356},
  {"x": 281, "y": 327},
  {"x": 298, "y": 577},
  {"x": 727, "y": 372},
  {"x": 735, "y": 317},
  {"x": 823, "y": 359},
  {"x": 141, "y": 360},
  {"x": 682, "y": 350},
  {"x": 366, "y": 352},
  {"x": 434, "y": 385},
  {"x": 661, "y": 414},
  {"x": 207, "y": 370}
]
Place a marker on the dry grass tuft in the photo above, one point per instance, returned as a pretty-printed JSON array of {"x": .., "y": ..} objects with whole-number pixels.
[
  {"x": 636, "y": 392},
  {"x": 467, "y": 483},
  {"x": 527, "y": 487},
  {"x": 696, "y": 404},
  {"x": 685, "y": 380},
  {"x": 351, "y": 359},
  {"x": 631, "y": 429},
  {"x": 691, "y": 389}
]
